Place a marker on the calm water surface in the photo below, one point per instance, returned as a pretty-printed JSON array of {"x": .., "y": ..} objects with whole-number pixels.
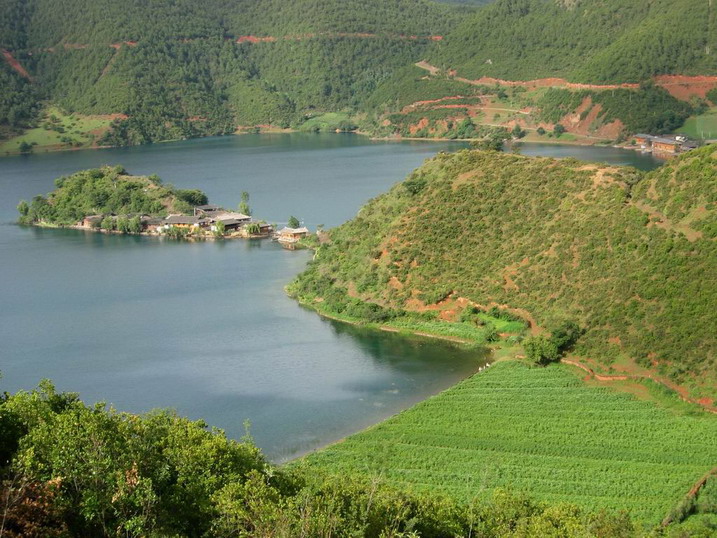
[{"x": 205, "y": 327}]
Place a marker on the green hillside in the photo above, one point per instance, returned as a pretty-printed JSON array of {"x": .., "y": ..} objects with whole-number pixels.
[
  {"x": 181, "y": 69},
  {"x": 583, "y": 40},
  {"x": 542, "y": 431},
  {"x": 626, "y": 255}
]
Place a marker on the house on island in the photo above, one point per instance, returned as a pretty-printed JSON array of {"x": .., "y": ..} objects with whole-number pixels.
[
  {"x": 231, "y": 220},
  {"x": 207, "y": 210},
  {"x": 183, "y": 221},
  {"x": 92, "y": 221},
  {"x": 291, "y": 236},
  {"x": 665, "y": 145}
]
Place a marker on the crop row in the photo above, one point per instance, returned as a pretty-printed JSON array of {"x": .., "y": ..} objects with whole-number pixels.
[{"x": 541, "y": 431}]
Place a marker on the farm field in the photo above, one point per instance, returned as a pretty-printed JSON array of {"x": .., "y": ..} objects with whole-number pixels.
[
  {"x": 541, "y": 431},
  {"x": 701, "y": 127},
  {"x": 59, "y": 130}
]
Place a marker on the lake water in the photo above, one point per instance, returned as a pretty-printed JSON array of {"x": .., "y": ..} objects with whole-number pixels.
[{"x": 206, "y": 328}]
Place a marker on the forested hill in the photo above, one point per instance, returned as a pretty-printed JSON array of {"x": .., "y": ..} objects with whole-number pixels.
[
  {"x": 177, "y": 69},
  {"x": 584, "y": 40},
  {"x": 624, "y": 255},
  {"x": 181, "y": 69}
]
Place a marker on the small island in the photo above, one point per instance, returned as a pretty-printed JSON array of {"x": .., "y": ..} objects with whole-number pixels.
[{"x": 110, "y": 200}]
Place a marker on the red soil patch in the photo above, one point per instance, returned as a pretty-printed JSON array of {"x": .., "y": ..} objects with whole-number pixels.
[
  {"x": 684, "y": 88},
  {"x": 413, "y": 129},
  {"x": 255, "y": 39},
  {"x": 12, "y": 62}
]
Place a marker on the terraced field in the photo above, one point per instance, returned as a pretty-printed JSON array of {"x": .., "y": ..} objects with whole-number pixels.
[{"x": 542, "y": 432}]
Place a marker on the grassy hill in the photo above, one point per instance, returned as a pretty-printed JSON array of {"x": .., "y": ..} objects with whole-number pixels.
[{"x": 626, "y": 255}]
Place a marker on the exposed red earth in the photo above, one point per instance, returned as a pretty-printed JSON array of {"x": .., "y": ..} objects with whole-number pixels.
[
  {"x": 10, "y": 59},
  {"x": 682, "y": 87}
]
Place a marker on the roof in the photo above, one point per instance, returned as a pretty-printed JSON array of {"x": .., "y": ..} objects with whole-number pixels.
[
  {"x": 662, "y": 140},
  {"x": 231, "y": 215},
  {"x": 287, "y": 230},
  {"x": 230, "y": 222},
  {"x": 208, "y": 207},
  {"x": 181, "y": 219}
]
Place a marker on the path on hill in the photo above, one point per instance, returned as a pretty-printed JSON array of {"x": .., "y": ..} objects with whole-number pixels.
[
  {"x": 680, "y": 391},
  {"x": 10, "y": 59},
  {"x": 679, "y": 86}
]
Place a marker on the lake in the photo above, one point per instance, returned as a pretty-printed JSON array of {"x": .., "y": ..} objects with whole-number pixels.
[{"x": 205, "y": 327}]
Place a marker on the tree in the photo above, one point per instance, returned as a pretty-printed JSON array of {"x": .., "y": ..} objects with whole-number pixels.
[
  {"x": 492, "y": 143},
  {"x": 123, "y": 225},
  {"x": 25, "y": 148},
  {"x": 517, "y": 132},
  {"x": 135, "y": 225},
  {"x": 219, "y": 229},
  {"x": 108, "y": 223},
  {"x": 23, "y": 207},
  {"x": 559, "y": 129},
  {"x": 541, "y": 350},
  {"x": 244, "y": 204},
  {"x": 565, "y": 335},
  {"x": 541, "y": 131},
  {"x": 293, "y": 222}
]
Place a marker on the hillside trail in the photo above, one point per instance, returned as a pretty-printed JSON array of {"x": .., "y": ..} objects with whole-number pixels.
[
  {"x": 12, "y": 62},
  {"x": 682, "y": 87},
  {"x": 680, "y": 391}
]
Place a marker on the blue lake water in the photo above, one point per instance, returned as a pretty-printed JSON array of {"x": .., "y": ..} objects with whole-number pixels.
[{"x": 206, "y": 328}]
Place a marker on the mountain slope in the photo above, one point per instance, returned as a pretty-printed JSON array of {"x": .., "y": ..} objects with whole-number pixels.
[
  {"x": 584, "y": 40},
  {"x": 627, "y": 256}
]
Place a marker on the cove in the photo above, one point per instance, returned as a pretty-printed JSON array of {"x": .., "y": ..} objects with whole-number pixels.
[{"x": 206, "y": 328}]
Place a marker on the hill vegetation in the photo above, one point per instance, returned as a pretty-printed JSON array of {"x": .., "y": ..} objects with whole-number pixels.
[
  {"x": 584, "y": 41},
  {"x": 622, "y": 254},
  {"x": 179, "y": 70},
  {"x": 107, "y": 191}
]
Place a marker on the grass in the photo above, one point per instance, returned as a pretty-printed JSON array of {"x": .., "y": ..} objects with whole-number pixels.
[
  {"x": 50, "y": 134},
  {"x": 703, "y": 127},
  {"x": 541, "y": 431},
  {"x": 326, "y": 122}
]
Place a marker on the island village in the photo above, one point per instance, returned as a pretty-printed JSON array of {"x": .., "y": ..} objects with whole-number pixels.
[{"x": 207, "y": 221}]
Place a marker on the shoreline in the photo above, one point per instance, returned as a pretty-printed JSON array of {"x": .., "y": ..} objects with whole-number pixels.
[
  {"x": 53, "y": 149},
  {"x": 208, "y": 237}
]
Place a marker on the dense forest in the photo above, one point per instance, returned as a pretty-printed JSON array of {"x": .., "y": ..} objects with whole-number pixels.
[
  {"x": 622, "y": 254},
  {"x": 584, "y": 41},
  {"x": 172, "y": 70}
]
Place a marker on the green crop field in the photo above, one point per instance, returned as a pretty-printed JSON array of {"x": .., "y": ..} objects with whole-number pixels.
[
  {"x": 541, "y": 431},
  {"x": 58, "y": 130},
  {"x": 703, "y": 127}
]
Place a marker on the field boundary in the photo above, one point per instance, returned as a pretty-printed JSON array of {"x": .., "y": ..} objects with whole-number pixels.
[
  {"x": 690, "y": 497},
  {"x": 637, "y": 377}
]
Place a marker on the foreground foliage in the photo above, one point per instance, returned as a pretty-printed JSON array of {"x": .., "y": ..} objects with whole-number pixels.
[{"x": 74, "y": 470}]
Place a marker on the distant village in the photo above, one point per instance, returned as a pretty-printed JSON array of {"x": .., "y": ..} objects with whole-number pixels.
[
  {"x": 207, "y": 221},
  {"x": 664, "y": 144}
]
